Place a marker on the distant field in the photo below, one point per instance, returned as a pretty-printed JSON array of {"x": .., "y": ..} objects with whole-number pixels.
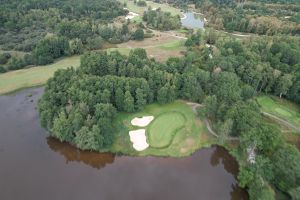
[
  {"x": 281, "y": 108},
  {"x": 34, "y": 76},
  {"x": 175, "y": 131},
  {"x": 161, "y": 46},
  {"x": 140, "y": 10}
]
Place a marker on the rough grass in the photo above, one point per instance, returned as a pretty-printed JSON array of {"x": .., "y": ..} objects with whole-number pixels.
[
  {"x": 163, "y": 129},
  {"x": 281, "y": 108},
  {"x": 189, "y": 138},
  {"x": 140, "y": 10},
  {"x": 35, "y": 76}
]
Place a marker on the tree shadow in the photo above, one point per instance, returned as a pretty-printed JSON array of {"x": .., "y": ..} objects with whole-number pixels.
[{"x": 72, "y": 154}]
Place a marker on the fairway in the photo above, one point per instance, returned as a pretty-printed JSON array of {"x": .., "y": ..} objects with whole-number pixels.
[
  {"x": 281, "y": 108},
  {"x": 34, "y": 76},
  {"x": 162, "y": 130},
  {"x": 140, "y": 10}
]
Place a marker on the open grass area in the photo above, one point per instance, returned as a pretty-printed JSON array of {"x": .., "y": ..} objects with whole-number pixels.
[
  {"x": 159, "y": 47},
  {"x": 164, "y": 127},
  {"x": 35, "y": 76},
  {"x": 281, "y": 108},
  {"x": 175, "y": 130},
  {"x": 175, "y": 45},
  {"x": 140, "y": 10}
]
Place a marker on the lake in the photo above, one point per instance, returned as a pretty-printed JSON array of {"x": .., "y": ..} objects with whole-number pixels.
[
  {"x": 35, "y": 166},
  {"x": 192, "y": 20}
]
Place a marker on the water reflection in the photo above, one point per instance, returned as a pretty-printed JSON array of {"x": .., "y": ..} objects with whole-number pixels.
[
  {"x": 44, "y": 168},
  {"x": 72, "y": 154},
  {"x": 221, "y": 156}
]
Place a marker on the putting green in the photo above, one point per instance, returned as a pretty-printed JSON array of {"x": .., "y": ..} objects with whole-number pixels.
[{"x": 164, "y": 127}]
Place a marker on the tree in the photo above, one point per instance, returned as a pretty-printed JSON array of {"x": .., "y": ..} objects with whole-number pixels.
[
  {"x": 224, "y": 130},
  {"x": 87, "y": 139},
  {"x": 283, "y": 84},
  {"x": 140, "y": 98},
  {"x": 76, "y": 46},
  {"x": 162, "y": 95},
  {"x": 119, "y": 97},
  {"x": 226, "y": 86},
  {"x": 141, "y": 3},
  {"x": 295, "y": 193},
  {"x": 61, "y": 128},
  {"x": 128, "y": 102},
  {"x": 95, "y": 43},
  {"x": 138, "y": 34},
  {"x": 286, "y": 161}
]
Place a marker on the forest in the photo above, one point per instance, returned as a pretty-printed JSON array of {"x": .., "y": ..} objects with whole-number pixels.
[
  {"x": 79, "y": 105},
  {"x": 46, "y": 30}
]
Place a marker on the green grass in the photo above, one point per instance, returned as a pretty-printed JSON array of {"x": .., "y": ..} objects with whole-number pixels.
[
  {"x": 188, "y": 138},
  {"x": 140, "y": 10},
  {"x": 162, "y": 130},
  {"x": 175, "y": 45},
  {"x": 281, "y": 108},
  {"x": 35, "y": 76}
]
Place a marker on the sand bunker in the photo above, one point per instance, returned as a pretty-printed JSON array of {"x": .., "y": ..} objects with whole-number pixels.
[
  {"x": 138, "y": 138},
  {"x": 142, "y": 122},
  {"x": 131, "y": 15}
]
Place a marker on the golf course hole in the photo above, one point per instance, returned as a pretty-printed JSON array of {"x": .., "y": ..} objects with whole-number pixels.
[{"x": 164, "y": 127}]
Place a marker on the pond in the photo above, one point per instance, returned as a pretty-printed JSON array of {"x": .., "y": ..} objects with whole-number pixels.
[
  {"x": 192, "y": 20},
  {"x": 35, "y": 166}
]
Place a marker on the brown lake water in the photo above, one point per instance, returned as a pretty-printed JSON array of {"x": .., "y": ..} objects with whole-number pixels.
[{"x": 34, "y": 166}]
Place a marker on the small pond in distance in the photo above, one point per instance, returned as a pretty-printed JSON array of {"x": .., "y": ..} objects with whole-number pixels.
[
  {"x": 192, "y": 20},
  {"x": 35, "y": 166}
]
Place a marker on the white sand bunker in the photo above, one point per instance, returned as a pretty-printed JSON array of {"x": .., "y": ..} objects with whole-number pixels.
[
  {"x": 131, "y": 15},
  {"x": 138, "y": 138},
  {"x": 142, "y": 122}
]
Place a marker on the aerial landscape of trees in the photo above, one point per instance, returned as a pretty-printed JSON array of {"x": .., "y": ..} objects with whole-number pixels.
[
  {"x": 221, "y": 72},
  {"x": 225, "y": 83}
]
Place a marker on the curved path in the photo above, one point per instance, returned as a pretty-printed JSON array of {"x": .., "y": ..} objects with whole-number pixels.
[
  {"x": 284, "y": 122},
  {"x": 207, "y": 124}
]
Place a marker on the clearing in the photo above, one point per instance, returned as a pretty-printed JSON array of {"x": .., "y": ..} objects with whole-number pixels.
[
  {"x": 140, "y": 10},
  {"x": 35, "y": 76},
  {"x": 175, "y": 131}
]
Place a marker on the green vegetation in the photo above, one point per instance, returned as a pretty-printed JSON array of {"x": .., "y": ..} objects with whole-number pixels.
[
  {"x": 161, "y": 20},
  {"x": 280, "y": 108},
  {"x": 175, "y": 142},
  {"x": 34, "y": 76},
  {"x": 140, "y": 10},
  {"x": 164, "y": 127}
]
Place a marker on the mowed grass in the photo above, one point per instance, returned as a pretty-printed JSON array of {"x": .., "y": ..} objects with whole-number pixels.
[
  {"x": 162, "y": 130},
  {"x": 35, "y": 76},
  {"x": 182, "y": 142},
  {"x": 281, "y": 108},
  {"x": 140, "y": 10},
  {"x": 175, "y": 45}
]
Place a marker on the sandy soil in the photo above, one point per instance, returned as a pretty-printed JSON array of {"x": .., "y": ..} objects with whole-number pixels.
[
  {"x": 138, "y": 138},
  {"x": 131, "y": 15},
  {"x": 142, "y": 122}
]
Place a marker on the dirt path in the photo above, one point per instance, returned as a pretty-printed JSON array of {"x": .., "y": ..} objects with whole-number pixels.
[
  {"x": 207, "y": 124},
  {"x": 194, "y": 107},
  {"x": 284, "y": 122}
]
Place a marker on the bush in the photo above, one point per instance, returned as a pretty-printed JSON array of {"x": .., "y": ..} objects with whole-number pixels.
[
  {"x": 141, "y": 3},
  {"x": 4, "y": 57},
  {"x": 2, "y": 69},
  {"x": 138, "y": 34}
]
